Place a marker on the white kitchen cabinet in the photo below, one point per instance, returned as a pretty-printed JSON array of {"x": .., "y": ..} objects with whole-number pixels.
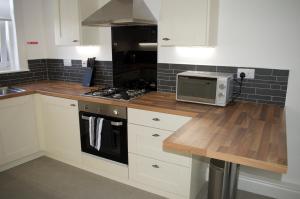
[
  {"x": 163, "y": 172},
  {"x": 157, "y": 120},
  {"x": 60, "y": 126},
  {"x": 93, "y": 35},
  {"x": 67, "y": 26},
  {"x": 159, "y": 174},
  {"x": 68, "y": 17},
  {"x": 18, "y": 129},
  {"x": 1, "y": 155},
  {"x": 188, "y": 23},
  {"x": 149, "y": 141}
]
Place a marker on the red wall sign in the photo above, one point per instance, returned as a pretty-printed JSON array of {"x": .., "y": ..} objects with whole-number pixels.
[{"x": 32, "y": 42}]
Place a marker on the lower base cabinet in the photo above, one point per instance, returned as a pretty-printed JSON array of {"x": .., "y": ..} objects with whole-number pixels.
[
  {"x": 60, "y": 128},
  {"x": 162, "y": 172},
  {"x": 170, "y": 180},
  {"x": 161, "y": 175},
  {"x": 18, "y": 130},
  {"x": 35, "y": 123}
]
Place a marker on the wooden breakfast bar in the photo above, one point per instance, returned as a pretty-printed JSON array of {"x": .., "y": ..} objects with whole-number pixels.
[{"x": 243, "y": 133}]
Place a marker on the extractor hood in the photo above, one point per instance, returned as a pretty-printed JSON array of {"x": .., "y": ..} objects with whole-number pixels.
[{"x": 121, "y": 13}]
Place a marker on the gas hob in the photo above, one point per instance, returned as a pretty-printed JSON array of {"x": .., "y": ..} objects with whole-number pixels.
[{"x": 116, "y": 93}]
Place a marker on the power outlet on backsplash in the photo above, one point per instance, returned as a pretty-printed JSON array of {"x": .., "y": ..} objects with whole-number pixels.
[
  {"x": 250, "y": 73},
  {"x": 67, "y": 62},
  {"x": 84, "y": 63}
]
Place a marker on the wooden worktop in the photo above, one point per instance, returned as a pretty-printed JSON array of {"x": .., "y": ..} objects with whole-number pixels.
[
  {"x": 62, "y": 89},
  {"x": 245, "y": 133}
]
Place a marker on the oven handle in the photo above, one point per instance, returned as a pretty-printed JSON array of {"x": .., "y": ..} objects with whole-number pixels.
[
  {"x": 85, "y": 117},
  {"x": 112, "y": 123},
  {"x": 116, "y": 123}
]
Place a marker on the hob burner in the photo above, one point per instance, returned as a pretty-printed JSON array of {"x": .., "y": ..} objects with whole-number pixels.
[{"x": 116, "y": 93}]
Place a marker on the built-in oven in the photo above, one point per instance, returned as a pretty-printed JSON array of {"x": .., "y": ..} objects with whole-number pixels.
[{"x": 103, "y": 131}]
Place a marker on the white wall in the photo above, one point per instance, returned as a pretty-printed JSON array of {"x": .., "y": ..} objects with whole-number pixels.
[
  {"x": 34, "y": 30},
  {"x": 102, "y": 52},
  {"x": 256, "y": 33}
]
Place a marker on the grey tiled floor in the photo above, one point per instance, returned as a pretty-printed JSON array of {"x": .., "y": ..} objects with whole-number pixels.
[{"x": 45, "y": 178}]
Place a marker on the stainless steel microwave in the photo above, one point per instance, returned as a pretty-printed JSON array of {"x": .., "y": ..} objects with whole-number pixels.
[{"x": 204, "y": 87}]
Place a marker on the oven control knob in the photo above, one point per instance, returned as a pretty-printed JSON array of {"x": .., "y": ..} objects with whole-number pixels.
[
  {"x": 221, "y": 86},
  {"x": 221, "y": 95},
  {"x": 115, "y": 112}
]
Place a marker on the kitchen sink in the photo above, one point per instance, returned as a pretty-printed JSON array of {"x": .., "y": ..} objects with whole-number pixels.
[{"x": 10, "y": 90}]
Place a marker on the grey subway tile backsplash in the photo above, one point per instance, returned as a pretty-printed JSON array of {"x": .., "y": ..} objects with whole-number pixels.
[
  {"x": 275, "y": 86},
  {"x": 265, "y": 77},
  {"x": 53, "y": 69},
  {"x": 263, "y": 71},
  {"x": 226, "y": 69},
  {"x": 281, "y": 73},
  {"x": 268, "y": 86},
  {"x": 102, "y": 73},
  {"x": 37, "y": 71},
  {"x": 206, "y": 68}
]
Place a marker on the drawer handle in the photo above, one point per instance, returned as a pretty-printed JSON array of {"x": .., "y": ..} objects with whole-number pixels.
[
  {"x": 155, "y": 135},
  {"x": 73, "y": 105},
  {"x": 155, "y": 166},
  {"x": 156, "y": 119},
  {"x": 166, "y": 39}
]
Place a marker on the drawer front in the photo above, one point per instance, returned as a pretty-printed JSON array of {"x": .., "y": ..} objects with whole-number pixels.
[
  {"x": 158, "y": 174},
  {"x": 149, "y": 142},
  {"x": 157, "y": 120}
]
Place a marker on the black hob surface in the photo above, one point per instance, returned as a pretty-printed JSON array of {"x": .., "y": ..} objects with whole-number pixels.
[{"x": 116, "y": 93}]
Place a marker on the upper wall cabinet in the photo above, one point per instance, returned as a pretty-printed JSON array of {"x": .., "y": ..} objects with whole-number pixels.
[
  {"x": 92, "y": 35},
  {"x": 68, "y": 17},
  {"x": 67, "y": 26},
  {"x": 188, "y": 23}
]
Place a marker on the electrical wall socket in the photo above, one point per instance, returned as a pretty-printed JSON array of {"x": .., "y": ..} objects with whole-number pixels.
[
  {"x": 67, "y": 62},
  {"x": 250, "y": 73},
  {"x": 84, "y": 63}
]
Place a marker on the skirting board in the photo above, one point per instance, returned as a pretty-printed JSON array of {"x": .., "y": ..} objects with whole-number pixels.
[
  {"x": 278, "y": 190},
  {"x": 21, "y": 161}
]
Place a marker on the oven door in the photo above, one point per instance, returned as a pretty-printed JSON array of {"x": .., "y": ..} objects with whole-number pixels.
[
  {"x": 196, "y": 89},
  {"x": 113, "y": 137}
]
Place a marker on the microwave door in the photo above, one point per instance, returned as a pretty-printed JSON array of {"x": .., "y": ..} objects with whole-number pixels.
[{"x": 197, "y": 89}]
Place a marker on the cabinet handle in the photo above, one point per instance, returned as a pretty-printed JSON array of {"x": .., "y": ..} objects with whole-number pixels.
[
  {"x": 155, "y": 135},
  {"x": 155, "y": 166},
  {"x": 166, "y": 39},
  {"x": 75, "y": 40},
  {"x": 73, "y": 105},
  {"x": 156, "y": 119}
]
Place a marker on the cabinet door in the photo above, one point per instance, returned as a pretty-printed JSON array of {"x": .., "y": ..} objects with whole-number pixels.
[
  {"x": 185, "y": 23},
  {"x": 18, "y": 129},
  {"x": 61, "y": 129},
  {"x": 1, "y": 155},
  {"x": 93, "y": 35},
  {"x": 149, "y": 142},
  {"x": 67, "y": 23},
  {"x": 161, "y": 175},
  {"x": 157, "y": 120}
]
